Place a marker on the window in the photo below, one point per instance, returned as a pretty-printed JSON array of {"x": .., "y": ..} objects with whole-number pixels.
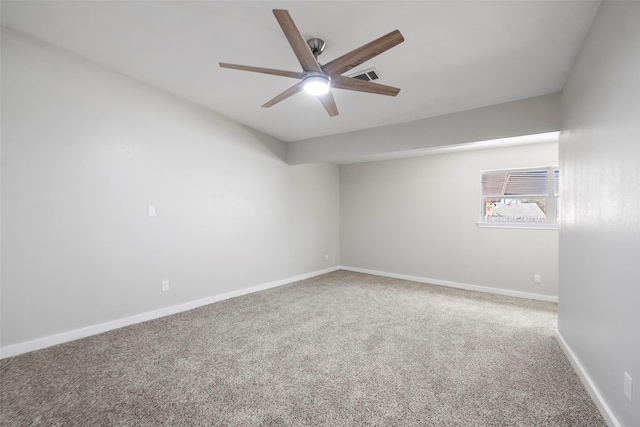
[{"x": 520, "y": 197}]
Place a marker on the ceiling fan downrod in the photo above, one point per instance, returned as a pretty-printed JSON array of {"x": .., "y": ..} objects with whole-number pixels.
[{"x": 317, "y": 46}]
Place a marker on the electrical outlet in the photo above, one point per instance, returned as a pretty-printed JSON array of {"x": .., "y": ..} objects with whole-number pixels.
[
  {"x": 628, "y": 383},
  {"x": 536, "y": 278},
  {"x": 165, "y": 286},
  {"x": 326, "y": 257}
]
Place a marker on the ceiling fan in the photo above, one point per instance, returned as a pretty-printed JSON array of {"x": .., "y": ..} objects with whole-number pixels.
[{"x": 318, "y": 79}]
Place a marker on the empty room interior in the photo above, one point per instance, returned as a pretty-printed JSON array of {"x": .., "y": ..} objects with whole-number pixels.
[{"x": 445, "y": 233}]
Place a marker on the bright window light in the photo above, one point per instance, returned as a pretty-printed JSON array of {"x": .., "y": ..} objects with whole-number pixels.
[{"x": 522, "y": 196}]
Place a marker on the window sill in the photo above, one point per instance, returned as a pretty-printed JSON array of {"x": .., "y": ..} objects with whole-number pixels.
[{"x": 526, "y": 226}]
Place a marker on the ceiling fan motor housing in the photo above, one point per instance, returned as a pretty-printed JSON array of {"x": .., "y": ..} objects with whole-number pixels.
[{"x": 316, "y": 83}]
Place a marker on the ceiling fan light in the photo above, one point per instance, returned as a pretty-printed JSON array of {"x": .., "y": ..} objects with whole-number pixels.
[{"x": 316, "y": 85}]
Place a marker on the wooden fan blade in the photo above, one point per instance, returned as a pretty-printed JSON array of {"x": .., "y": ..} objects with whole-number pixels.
[
  {"x": 284, "y": 95},
  {"x": 329, "y": 103},
  {"x": 349, "y": 83},
  {"x": 262, "y": 70},
  {"x": 297, "y": 42},
  {"x": 362, "y": 54}
]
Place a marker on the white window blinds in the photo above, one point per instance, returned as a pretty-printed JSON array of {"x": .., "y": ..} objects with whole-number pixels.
[
  {"x": 516, "y": 183},
  {"x": 520, "y": 196}
]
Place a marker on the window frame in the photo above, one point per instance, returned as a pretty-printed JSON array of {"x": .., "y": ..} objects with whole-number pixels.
[{"x": 552, "y": 201}]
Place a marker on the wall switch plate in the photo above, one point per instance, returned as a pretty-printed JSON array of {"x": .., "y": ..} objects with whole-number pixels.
[
  {"x": 165, "y": 286},
  {"x": 628, "y": 383},
  {"x": 151, "y": 210},
  {"x": 536, "y": 278}
]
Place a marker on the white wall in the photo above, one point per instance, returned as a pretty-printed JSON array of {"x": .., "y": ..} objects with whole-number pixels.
[
  {"x": 599, "y": 310},
  {"x": 85, "y": 150},
  {"x": 417, "y": 217}
]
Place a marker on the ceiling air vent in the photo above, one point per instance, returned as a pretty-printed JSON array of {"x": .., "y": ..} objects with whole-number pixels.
[{"x": 367, "y": 75}]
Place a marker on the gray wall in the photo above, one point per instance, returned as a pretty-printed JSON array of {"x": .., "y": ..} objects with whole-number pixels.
[
  {"x": 599, "y": 310},
  {"x": 85, "y": 150},
  {"x": 524, "y": 117},
  {"x": 417, "y": 217}
]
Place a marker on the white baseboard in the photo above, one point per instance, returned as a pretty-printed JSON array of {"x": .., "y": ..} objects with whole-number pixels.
[
  {"x": 40, "y": 343},
  {"x": 604, "y": 409},
  {"x": 477, "y": 288}
]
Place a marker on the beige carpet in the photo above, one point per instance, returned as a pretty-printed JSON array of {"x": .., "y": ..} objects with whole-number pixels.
[{"x": 341, "y": 349}]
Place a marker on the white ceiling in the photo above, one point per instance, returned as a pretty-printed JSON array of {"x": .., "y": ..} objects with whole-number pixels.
[{"x": 456, "y": 55}]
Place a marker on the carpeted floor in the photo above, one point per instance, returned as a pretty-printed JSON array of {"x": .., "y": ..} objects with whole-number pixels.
[{"x": 341, "y": 349}]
